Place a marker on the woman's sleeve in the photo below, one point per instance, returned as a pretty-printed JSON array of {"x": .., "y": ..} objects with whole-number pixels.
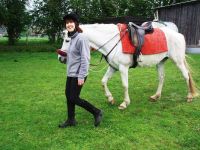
[{"x": 85, "y": 57}]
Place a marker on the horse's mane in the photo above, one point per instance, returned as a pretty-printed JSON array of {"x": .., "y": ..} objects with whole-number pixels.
[{"x": 105, "y": 28}]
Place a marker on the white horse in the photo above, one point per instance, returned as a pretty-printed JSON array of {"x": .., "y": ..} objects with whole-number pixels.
[
  {"x": 155, "y": 24},
  {"x": 99, "y": 34},
  {"x": 160, "y": 24}
]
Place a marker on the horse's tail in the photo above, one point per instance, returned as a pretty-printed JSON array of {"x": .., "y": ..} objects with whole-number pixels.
[{"x": 193, "y": 88}]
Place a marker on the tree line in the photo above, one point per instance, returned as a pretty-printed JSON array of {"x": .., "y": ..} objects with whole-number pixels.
[{"x": 47, "y": 15}]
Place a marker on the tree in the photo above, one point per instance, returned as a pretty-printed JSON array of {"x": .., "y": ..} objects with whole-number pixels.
[
  {"x": 14, "y": 17},
  {"x": 88, "y": 10},
  {"x": 48, "y": 15},
  {"x": 158, "y": 3}
]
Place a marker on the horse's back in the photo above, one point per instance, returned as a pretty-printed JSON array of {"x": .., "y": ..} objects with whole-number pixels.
[
  {"x": 169, "y": 25},
  {"x": 175, "y": 43}
]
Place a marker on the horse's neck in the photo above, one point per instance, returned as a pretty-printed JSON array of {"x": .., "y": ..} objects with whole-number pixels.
[{"x": 99, "y": 34}]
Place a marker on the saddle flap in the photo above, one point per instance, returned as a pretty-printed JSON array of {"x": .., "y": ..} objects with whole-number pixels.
[
  {"x": 140, "y": 36},
  {"x": 132, "y": 35},
  {"x": 136, "y": 35}
]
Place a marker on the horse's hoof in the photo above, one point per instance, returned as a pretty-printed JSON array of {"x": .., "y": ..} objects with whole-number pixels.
[
  {"x": 122, "y": 106},
  {"x": 154, "y": 98},
  {"x": 189, "y": 99},
  {"x": 112, "y": 102},
  {"x": 151, "y": 99}
]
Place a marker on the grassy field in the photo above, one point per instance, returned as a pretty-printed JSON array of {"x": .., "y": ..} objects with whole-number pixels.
[
  {"x": 32, "y": 104},
  {"x": 34, "y": 44}
]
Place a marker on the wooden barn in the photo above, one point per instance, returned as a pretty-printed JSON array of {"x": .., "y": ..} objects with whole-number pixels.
[{"x": 186, "y": 15}]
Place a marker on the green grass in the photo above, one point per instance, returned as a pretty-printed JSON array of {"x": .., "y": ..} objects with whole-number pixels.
[
  {"x": 34, "y": 44},
  {"x": 32, "y": 104}
]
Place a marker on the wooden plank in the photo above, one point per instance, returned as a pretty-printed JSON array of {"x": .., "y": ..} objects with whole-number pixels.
[{"x": 187, "y": 19}]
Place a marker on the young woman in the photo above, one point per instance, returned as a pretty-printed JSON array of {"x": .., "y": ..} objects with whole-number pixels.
[{"x": 78, "y": 57}]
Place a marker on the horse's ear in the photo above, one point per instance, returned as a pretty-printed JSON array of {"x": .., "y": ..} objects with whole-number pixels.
[{"x": 64, "y": 33}]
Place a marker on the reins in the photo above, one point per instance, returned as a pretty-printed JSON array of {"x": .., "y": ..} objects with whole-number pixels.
[
  {"x": 117, "y": 43},
  {"x": 106, "y": 56},
  {"x": 101, "y": 47}
]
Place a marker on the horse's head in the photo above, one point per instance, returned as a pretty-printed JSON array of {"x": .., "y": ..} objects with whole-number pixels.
[
  {"x": 66, "y": 41},
  {"x": 62, "y": 53}
]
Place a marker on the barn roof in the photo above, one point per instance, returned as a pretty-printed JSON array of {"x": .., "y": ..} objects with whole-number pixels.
[{"x": 179, "y": 4}]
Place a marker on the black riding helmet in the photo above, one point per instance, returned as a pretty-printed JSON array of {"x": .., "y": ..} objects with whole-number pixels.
[{"x": 72, "y": 16}]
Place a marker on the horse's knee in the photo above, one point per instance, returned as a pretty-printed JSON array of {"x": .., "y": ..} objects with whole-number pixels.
[
  {"x": 103, "y": 82},
  {"x": 125, "y": 86},
  {"x": 126, "y": 89},
  {"x": 161, "y": 77}
]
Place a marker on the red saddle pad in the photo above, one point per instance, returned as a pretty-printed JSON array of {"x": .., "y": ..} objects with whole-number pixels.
[{"x": 154, "y": 43}]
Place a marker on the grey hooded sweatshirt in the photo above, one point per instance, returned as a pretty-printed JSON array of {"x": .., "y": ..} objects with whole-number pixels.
[{"x": 78, "y": 56}]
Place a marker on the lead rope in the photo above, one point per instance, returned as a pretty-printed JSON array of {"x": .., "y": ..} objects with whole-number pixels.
[{"x": 92, "y": 70}]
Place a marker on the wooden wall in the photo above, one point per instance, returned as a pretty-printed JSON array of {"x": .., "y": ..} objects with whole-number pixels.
[{"x": 186, "y": 16}]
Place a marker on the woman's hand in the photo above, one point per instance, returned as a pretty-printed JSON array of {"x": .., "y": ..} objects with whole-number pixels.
[{"x": 80, "y": 82}]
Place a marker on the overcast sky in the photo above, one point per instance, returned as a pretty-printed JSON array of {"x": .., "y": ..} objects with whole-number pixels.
[{"x": 29, "y": 6}]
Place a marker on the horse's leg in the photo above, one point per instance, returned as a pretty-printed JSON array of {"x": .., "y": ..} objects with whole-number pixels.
[
  {"x": 124, "y": 76},
  {"x": 182, "y": 65},
  {"x": 104, "y": 81},
  {"x": 161, "y": 75}
]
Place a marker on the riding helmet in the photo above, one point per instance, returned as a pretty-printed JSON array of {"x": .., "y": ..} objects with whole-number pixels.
[{"x": 73, "y": 16}]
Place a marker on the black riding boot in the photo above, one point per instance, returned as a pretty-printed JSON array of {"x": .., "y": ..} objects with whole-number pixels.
[
  {"x": 98, "y": 118},
  {"x": 97, "y": 113},
  {"x": 68, "y": 123}
]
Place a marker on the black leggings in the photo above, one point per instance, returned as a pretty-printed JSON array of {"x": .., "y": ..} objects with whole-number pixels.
[{"x": 72, "y": 92}]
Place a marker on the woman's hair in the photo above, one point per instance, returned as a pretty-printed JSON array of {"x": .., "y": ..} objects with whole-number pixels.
[{"x": 78, "y": 29}]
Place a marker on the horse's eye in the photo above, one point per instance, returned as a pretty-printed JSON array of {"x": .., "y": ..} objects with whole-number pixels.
[{"x": 67, "y": 41}]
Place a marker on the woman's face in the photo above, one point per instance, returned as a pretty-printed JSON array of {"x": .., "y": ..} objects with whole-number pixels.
[{"x": 70, "y": 25}]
